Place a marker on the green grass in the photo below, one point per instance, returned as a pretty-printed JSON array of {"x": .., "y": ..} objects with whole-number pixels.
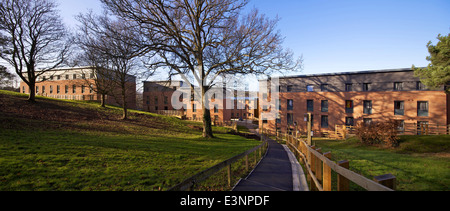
[
  {"x": 421, "y": 163},
  {"x": 71, "y": 145}
]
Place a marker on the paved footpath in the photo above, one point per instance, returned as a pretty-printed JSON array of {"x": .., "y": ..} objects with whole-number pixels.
[{"x": 277, "y": 171}]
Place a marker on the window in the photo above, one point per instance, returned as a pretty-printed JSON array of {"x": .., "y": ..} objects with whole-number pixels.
[
  {"x": 290, "y": 105},
  {"x": 74, "y": 76},
  {"x": 58, "y": 77},
  {"x": 289, "y": 88},
  {"x": 366, "y": 87},
  {"x": 367, "y": 121},
  {"x": 67, "y": 77},
  {"x": 66, "y": 89},
  {"x": 349, "y": 106},
  {"x": 57, "y": 89},
  {"x": 398, "y": 86},
  {"x": 420, "y": 86},
  {"x": 51, "y": 89},
  {"x": 279, "y": 104},
  {"x": 422, "y": 108},
  {"x": 82, "y": 88},
  {"x": 310, "y": 88},
  {"x": 290, "y": 119},
  {"x": 324, "y": 106},
  {"x": 37, "y": 89},
  {"x": 399, "y": 108},
  {"x": 166, "y": 108},
  {"x": 156, "y": 108},
  {"x": 348, "y": 87},
  {"x": 324, "y": 122},
  {"x": 166, "y": 100},
  {"x": 156, "y": 100},
  {"x": 367, "y": 106},
  {"x": 43, "y": 89},
  {"x": 83, "y": 76},
  {"x": 194, "y": 108},
  {"x": 310, "y": 105},
  {"x": 324, "y": 87},
  {"x": 216, "y": 110},
  {"x": 74, "y": 89},
  {"x": 349, "y": 121},
  {"x": 401, "y": 125}
]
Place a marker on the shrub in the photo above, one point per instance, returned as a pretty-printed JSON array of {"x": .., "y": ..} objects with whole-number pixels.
[{"x": 378, "y": 133}]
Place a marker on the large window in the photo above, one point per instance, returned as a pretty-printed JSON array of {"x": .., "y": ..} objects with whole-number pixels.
[
  {"x": 422, "y": 108},
  {"x": 367, "y": 107},
  {"x": 324, "y": 106},
  {"x": 310, "y": 105},
  {"x": 349, "y": 121},
  {"x": 399, "y": 108},
  {"x": 398, "y": 86},
  {"x": 324, "y": 87},
  {"x": 324, "y": 122},
  {"x": 290, "y": 119},
  {"x": 348, "y": 87},
  {"x": 366, "y": 87},
  {"x": 290, "y": 105},
  {"x": 420, "y": 86},
  {"x": 349, "y": 106}
]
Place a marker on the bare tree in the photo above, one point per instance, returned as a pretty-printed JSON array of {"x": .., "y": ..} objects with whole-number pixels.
[
  {"x": 36, "y": 39},
  {"x": 110, "y": 46},
  {"x": 207, "y": 39}
]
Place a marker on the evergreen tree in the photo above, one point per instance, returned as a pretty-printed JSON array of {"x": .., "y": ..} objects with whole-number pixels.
[{"x": 437, "y": 74}]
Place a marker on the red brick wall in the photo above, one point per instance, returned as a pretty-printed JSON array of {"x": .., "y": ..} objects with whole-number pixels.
[
  {"x": 382, "y": 107},
  {"x": 78, "y": 95}
]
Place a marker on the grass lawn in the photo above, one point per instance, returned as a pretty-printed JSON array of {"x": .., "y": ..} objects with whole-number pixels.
[
  {"x": 421, "y": 163},
  {"x": 70, "y": 145}
]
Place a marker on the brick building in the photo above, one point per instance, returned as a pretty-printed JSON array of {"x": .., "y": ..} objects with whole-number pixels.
[
  {"x": 349, "y": 98},
  {"x": 79, "y": 84},
  {"x": 157, "y": 98}
]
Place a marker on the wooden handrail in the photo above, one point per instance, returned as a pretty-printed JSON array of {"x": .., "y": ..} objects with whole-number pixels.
[
  {"x": 358, "y": 179},
  {"x": 190, "y": 182}
]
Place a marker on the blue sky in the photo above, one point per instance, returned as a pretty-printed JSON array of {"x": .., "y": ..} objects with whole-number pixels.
[{"x": 344, "y": 35}]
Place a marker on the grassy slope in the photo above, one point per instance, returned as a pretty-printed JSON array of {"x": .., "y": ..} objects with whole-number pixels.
[
  {"x": 421, "y": 163},
  {"x": 70, "y": 145}
]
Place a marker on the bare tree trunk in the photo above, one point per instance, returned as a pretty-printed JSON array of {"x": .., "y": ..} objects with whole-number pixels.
[
  {"x": 124, "y": 102},
  {"x": 207, "y": 128},
  {"x": 32, "y": 88},
  {"x": 103, "y": 100}
]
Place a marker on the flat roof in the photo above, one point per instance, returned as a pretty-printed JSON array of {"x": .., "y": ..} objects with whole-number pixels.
[{"x": 349, "y": 73}]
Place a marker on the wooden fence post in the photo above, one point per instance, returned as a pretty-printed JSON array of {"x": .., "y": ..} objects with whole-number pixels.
[
  {"x": 319, "y": 167},
  {"x": 326, "y": 174},
  {"x": 229, "y": 175},
  {"x": 246, "y": 163},
  {"x": 387, "y": 180},
  {"x": 343, "y": 183},
  {"x": 312, "y": 165}
]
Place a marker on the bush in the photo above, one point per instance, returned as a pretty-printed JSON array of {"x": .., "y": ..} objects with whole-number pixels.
[{"x": 379, "y": 133}]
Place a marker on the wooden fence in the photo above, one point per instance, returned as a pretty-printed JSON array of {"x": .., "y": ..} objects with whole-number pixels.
[
  {"x": 341, "y": 131},
  {"x": 319, "y": 166},
  {"x": 189, "y": 184}
]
